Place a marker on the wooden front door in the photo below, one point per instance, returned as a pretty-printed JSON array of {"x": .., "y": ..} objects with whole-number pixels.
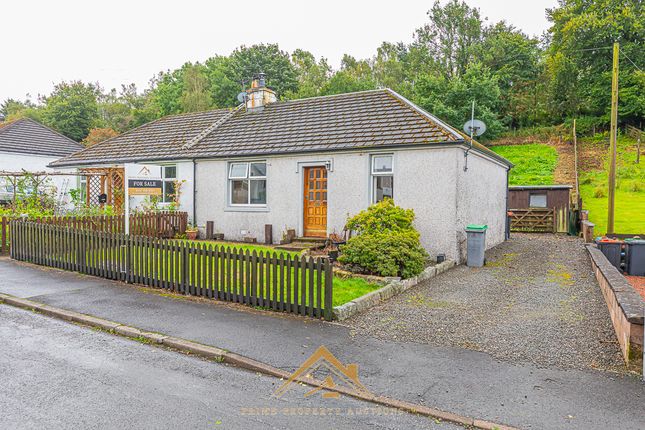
[{"x": 315, "y": 202}]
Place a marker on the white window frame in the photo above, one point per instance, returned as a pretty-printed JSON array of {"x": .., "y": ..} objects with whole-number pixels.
[
  {"x": 164, "y": 180},
  {"x": 546, "y": 200},
  {"x": 374, "y": 174},
  {"x": 247, "y": 177}
]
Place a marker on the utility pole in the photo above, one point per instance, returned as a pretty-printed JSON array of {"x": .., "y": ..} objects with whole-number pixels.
[{"x": 613, "y": 134}]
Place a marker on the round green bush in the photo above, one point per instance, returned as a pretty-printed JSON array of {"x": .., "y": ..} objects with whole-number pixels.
[{"x": 387, "y": 243}]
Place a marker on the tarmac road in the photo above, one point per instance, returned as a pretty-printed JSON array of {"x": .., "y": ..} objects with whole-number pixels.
[{"x": 54, "y": 374}]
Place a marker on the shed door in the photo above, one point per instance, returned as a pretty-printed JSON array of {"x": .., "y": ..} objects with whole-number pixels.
[{"x": 315, "y": 202}]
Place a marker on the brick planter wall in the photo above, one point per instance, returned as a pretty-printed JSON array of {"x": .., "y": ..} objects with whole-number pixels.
[{"x": 626, "y": 308}]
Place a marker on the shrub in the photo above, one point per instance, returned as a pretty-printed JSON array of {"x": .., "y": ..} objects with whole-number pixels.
[
  {"x": 387, "y": 243},
  {"x": 599, "y": 192}
]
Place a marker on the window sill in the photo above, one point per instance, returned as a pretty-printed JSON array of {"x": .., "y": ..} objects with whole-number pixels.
[{"x": 246, "y": 209}]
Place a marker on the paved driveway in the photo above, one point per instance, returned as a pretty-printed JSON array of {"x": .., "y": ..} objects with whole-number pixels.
[{"x": 535, "y": 301}]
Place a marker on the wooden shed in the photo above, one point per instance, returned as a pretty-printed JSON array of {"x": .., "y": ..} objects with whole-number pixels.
[{"x": 539, "y": 207}]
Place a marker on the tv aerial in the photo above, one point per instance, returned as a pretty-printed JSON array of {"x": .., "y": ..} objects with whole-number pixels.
[{"x": 473, "y": 128}]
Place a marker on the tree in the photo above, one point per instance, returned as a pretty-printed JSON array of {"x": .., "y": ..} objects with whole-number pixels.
[
  {"x": 72, "y": 109},
  {"x": 450, "y": 99},
  {"x": 312, "y": 75},
  {"x": 580, "y": 56},
  {"x": 195, "y": 96},
  {"x": 97, "y": 135},
  {"x": 246, "y": 62},
  {"x": 449, "y": 36},
  {"x": 223, "y": 88}
]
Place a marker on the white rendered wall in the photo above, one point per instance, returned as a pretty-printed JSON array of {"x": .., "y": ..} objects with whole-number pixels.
[{"x": 14, "y": 162}]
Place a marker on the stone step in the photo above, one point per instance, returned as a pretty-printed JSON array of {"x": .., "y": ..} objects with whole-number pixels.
[
  {"x": 300, "y": 246},
  {"x": 317, "y": 240}
]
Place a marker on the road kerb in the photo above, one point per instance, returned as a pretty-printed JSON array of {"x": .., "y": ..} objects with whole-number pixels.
[{"x": 218, "y": 354}]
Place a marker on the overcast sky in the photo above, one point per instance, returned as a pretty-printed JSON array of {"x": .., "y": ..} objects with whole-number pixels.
[{"x": 118, "y": 41}]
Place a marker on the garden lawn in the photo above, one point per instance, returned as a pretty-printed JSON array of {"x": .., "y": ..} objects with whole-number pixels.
[
  {"x": 534, "y": 163},
  {"x": 630, "y": 192},
  {"x": 344, "y": 289}
]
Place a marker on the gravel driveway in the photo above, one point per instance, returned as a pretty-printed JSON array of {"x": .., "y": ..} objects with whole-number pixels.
[{"x": 535, "y": 301}]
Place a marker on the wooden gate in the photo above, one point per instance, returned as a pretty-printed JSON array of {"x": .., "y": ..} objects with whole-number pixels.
[{"x": 533, "y": 220}]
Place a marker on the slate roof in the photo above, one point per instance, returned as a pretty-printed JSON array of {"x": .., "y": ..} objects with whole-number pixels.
[
  {"x": 367, "y": 119},
  {"x": 26, "y": 136}
]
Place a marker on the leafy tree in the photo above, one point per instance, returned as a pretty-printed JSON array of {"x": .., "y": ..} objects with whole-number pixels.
[
  {"x": 580, "y": 56},
  {"x": 450, "y": 99},
  {"x": 195, "y": 96},
  {"x": 97, "y": 135},
  {"x": 312, "y": 75},
  {"x": 450, "y": 35},
  {"x": 223, "y": 88},
  {"x": 165, "y": 95},
  {"x": 246, "y": 62},
  {"x": 72, "y": 109}
]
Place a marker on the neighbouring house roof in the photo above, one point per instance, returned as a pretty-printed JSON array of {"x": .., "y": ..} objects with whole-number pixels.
[
  {"x": 26, "y": 136},
  {"x": 362, "y": 120}
]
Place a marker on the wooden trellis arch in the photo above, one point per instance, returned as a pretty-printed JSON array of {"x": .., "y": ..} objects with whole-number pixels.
[{"x": 105, "y": 180}]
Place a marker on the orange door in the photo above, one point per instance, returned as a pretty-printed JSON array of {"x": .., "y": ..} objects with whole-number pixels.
[{"x": 315, "y": 202}]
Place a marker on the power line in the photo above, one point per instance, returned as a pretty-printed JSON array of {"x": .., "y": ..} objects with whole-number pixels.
[{"x": 630, "y": 60}]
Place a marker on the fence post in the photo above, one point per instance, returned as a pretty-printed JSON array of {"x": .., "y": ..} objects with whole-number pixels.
[
  {"x": 128, "y": 258},
  {"x": 184, "y": 268},
  {"x": 329, "y": 282},
  {"x": 3, "y": 239}
]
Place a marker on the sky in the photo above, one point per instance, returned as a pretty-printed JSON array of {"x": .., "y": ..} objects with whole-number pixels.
[{"x": 118, "y": 42}]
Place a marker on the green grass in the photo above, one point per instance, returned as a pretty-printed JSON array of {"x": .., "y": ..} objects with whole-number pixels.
[
  {"x": 348, "y": 289},
  {"x": 534, "y": 163},
  {"x": 146, "y": 263},
  {"x": 245, "y": 247},
  {"x": 630, "y": 192}
]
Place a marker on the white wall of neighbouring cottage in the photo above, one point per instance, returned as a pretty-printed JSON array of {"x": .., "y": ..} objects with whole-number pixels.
[
  {"x": 424, "y": 180},
  {"x": 482, "y": 194},
  {"x": 15, "y": 162},
  {"x": 184, "y": 173}
]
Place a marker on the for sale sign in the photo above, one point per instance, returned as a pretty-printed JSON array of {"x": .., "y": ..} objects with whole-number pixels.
[{"x": 144, "y": 187}]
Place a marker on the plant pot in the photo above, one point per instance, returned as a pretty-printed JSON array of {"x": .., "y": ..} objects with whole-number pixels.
[{"x": 191, "y": 235}]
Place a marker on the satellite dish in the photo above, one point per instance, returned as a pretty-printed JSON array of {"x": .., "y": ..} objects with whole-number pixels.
[
  {"x": 475, "y": 126},
  {"x": 241, "y": 97}
]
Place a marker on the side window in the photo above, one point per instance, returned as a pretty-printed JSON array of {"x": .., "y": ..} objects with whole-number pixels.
[
  {"x": 537, "y": 200},
  {"x": 382, "y": 177},
  {"x": 169, "y": 176},
  {"x": 248, "y": 183}
]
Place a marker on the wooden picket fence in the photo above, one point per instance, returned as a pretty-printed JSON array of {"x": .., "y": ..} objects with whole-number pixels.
[
  {"x": 293, "y": 284},
  {"x": 163, "y": 224}
]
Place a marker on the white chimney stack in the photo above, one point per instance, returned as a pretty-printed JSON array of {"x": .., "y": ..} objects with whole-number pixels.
[{"x": 259, "y": 95}]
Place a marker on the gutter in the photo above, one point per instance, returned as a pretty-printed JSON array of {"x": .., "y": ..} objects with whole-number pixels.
[{"x": 450, "y": 143}]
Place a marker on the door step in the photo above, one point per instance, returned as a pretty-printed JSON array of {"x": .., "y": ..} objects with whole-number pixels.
[{"x": 299, "y": 245}]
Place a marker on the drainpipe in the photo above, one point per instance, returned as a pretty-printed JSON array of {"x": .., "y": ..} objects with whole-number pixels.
[
  {"x": 508, "y": 222},
  {"x": 195, "y": 193}
]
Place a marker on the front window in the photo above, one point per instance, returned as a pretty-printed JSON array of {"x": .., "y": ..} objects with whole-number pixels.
[
  {"x": 382, "y": 178},
  {"x": 248, "y": 183},
  {"x": 168, "y": 176}
]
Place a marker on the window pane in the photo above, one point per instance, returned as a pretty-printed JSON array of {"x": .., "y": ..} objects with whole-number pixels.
[
  {"x": 258, "y": 169},
  {"x": 169, "y": 191},
  {"x": 382, "y": 164},
  {"x": 238, "y": 170},
  {"x": 537, "y": 200},
  {"x": 240, "y": 192},
  {"x": 259, "y": 192},
  {"x": 383, "y": 187},
  {"x": 170, "y": 172}
]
